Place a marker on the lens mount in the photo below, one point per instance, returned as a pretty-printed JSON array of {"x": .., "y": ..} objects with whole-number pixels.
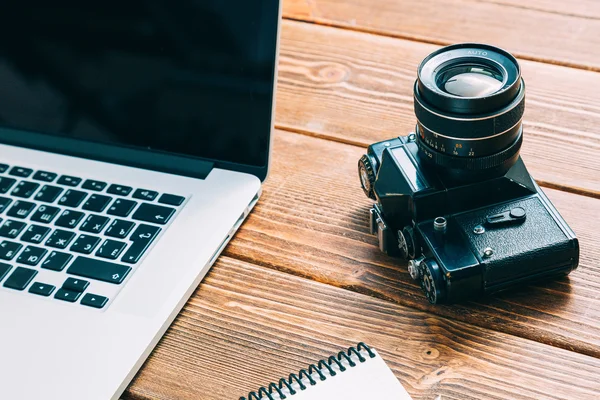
[
  {"x": 469, "y": 102},
  {"x": 473, "y": 167}
]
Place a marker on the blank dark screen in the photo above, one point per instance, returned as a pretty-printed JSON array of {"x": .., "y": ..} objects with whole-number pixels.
[{"x": 191, "y": 77}]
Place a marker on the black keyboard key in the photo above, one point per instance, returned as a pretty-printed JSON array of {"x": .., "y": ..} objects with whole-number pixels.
[
  {"x": 32, "y": 255},
  {"x": 11, "y": 229},
  {"x": 67, "y": 295},
  {"x": 41, "y": 289},
  {"x": 121, "y": 207},
  {"x": 20, "y": 172},
  {"x": 21, "y": 209},
  {"x": 171, "y": 199},
  {"x": 45, "y": 214},
  {"x": 94, "y": 223},
  {"x": 4, "y": 203},
  {"x": 72, "y": 198},
  {"x": 8, "y": 250},
  {"x": 4, "y": 270},
  {"x": 69, "y": 180},
  {"x": 69, "y": 219},
  {"x": 93, "y": 300},
  {"x": 135, "y": 252},
  {"x": 119, "y": 190},
  {"x": 99, "y": 270},
  {"x": 75, "y": 285},
  {"x": 145, "y": 233},
  {"x": 6, "y": 184},
  {"x": 60, "y": 239},
  {"x": 44, "y": 176},
  {"x": 144, "y": 194},
  {"x": 35, "y": 234},
  {"x": 119, "y": 229},
  {"x": 142, "y": 237},
  {"x": 25, "y": 189},
  {"x": 96, "y": 203},
  {"x": 57, "y": 261},
  {"x": 4, "y": 168},
  {"x": 85, "y": 244},
  {"x": 153, "y": 213},
  {"x": 20, "y": 278},
  {"x": 91, "y": 184},
  {"x": 48, "y": 194},
  {"x": 111, "y": 249}
]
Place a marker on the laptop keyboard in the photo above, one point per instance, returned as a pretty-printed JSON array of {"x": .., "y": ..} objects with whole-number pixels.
[{"x": 86, "y": 230}]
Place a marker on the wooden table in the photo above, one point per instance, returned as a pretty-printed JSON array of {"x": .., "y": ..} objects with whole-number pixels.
[{"x": 304, "y": 278}]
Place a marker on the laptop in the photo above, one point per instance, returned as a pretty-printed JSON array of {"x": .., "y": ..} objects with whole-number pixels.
[{"x": 134, "y": 139}]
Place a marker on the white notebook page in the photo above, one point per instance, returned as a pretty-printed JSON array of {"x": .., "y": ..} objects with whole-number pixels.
[{"x": 371, "y": 380}]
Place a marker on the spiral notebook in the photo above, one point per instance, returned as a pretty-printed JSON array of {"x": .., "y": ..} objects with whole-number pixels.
[{"x": 357, "y": 374}]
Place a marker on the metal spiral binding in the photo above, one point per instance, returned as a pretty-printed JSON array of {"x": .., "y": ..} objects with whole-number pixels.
[{"x": 286, "y": 384}]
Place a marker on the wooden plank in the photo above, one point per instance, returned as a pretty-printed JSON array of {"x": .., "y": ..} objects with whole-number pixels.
[
  {"x": 313, "y": 222},
  {"x": 247, "y": 326},
  {"x": 548, "y": 33},
  {"x": 357, "y": 88}
]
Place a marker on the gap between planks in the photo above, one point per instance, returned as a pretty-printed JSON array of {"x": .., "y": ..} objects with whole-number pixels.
[
  {"x": 420, "y": 39},
  {"x": 282, "y": 227},
  {"x": 551, "y": 185},
  {"x": 431, "y": 354}
]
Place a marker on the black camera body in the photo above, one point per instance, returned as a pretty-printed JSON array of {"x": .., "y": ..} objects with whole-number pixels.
[
  {"x": 461, "y": 206},
  {"x": 466, "y": 239}
]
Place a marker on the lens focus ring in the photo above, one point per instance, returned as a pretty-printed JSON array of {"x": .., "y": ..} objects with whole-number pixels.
[{"x": 470, "y": 127}]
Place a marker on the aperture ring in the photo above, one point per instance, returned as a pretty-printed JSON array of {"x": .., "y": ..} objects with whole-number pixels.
[
  {"x": 470, "y": 147},
  {"x": 470, "y": 163}
]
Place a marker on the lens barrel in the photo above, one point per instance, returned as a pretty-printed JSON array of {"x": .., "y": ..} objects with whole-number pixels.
[{"x": 469, "y": 101}]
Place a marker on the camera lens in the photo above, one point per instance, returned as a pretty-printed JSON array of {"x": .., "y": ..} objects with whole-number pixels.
[{"x": 469, "y": 103}]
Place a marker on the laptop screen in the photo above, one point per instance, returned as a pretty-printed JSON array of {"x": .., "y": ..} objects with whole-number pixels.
[{"x": 189, "y": 77}]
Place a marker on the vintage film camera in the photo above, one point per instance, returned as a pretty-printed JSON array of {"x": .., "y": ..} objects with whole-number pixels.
[{"x": 455, "y": 197}]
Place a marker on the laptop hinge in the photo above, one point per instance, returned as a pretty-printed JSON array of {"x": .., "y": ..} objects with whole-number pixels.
[{"x": 145, "y": 159}]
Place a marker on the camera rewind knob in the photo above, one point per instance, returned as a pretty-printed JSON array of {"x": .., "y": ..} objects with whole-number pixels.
[{"x": 367, "y": 171}]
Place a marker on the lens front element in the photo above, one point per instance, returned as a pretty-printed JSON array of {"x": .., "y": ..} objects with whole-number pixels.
[{"x": 469, "y": 80}]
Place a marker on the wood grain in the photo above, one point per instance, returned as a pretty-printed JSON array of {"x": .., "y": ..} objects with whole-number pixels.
[
  {"x": 357, "y": 88},
  {"x": 589, "y": 9},
  {"x": 247, "y": 325},
  {"x": 313, "y": 222},
  {"x": 545, "y": 33},
  {"x": 304, "y": 278}
]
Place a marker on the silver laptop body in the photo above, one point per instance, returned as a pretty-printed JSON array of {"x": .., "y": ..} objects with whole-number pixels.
[{"x": 133, "y": 143}]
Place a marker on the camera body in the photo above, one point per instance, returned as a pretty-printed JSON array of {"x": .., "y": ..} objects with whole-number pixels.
[{"x": 463, "y": 238}]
